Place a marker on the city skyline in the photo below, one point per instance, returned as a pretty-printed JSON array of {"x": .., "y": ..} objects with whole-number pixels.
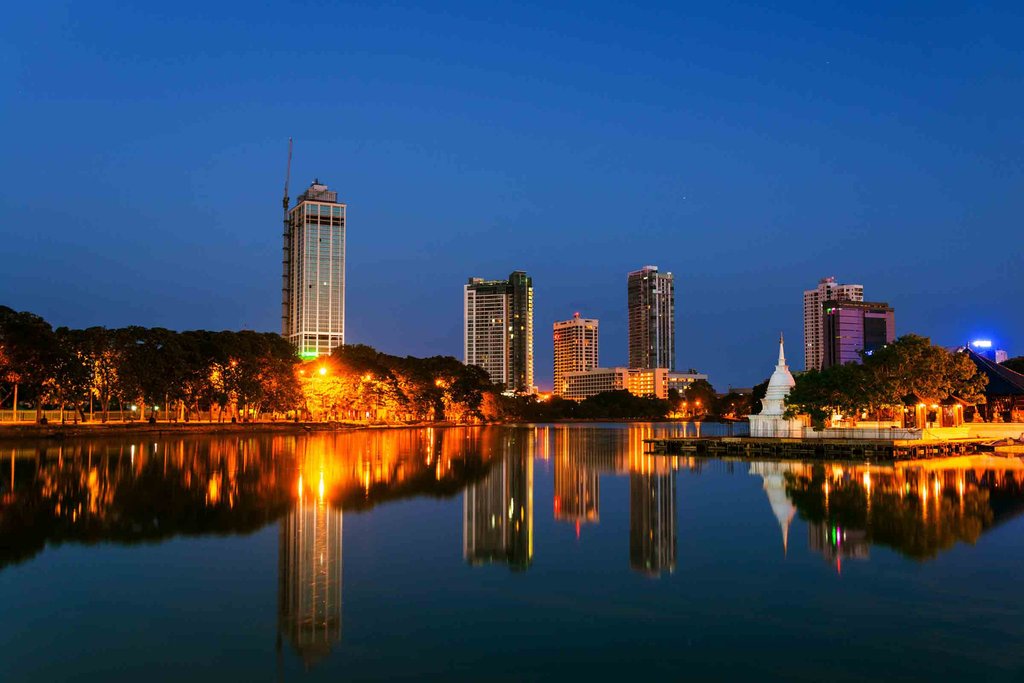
[{"x": 748, "y": 172}]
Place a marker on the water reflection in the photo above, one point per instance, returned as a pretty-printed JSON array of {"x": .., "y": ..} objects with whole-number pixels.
[
  {"x": 145, "y": 491},
  {"x": 916, "y": 508},
  {"x": 309, "y": 574},
  {"x": 497, "y": 512}
]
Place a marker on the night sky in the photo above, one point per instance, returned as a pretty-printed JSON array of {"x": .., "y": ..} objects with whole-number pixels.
[{"x": 748, "y": 151}]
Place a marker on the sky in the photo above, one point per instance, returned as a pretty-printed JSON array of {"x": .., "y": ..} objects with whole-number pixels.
[{"x": 750, "y": 151}]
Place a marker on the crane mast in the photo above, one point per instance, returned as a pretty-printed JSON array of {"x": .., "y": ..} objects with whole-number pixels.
[{"x": 286, "y": 252}]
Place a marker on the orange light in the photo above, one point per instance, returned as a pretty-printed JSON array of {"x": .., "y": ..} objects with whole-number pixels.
[{"x": 323, "y": 370}]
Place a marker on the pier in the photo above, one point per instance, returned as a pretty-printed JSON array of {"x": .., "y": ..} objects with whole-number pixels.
[{"x": 814, "y": 449}]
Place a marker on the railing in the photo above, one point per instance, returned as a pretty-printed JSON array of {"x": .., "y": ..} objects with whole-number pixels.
[{"x": 116, "y": 416}]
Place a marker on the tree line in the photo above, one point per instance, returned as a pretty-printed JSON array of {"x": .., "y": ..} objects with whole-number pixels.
[
  {"x": 151, "y": 369},
  {"x": 156, "y": 373},
  {"x": 910, "y": 368}
]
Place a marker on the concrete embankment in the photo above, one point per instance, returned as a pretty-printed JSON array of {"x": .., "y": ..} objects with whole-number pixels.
[{"x": 130, "y": 429}]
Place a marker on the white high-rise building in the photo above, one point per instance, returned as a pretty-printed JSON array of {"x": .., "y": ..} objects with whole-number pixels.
[
  {"x": 313, "y": 290},
  {"x": 814, "y": 333},
  {"x": 498, "y": 335},
  {"x": 575, "y": 342}
]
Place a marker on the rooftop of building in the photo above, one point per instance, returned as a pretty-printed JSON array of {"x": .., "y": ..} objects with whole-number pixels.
[
  {"x": 317, "y": 192},
  {"x": 1002, "y": 381},
  {"x": 864, "y": 305}
]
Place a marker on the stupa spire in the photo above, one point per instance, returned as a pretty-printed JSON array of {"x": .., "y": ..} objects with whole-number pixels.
[{"x": 782, "y": 352}]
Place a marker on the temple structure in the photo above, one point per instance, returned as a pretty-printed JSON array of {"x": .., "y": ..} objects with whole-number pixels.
[{"x": 771, "y": 421}]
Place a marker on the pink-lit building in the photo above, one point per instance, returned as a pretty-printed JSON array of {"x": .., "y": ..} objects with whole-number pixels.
[{"x": 849, "y": 327}]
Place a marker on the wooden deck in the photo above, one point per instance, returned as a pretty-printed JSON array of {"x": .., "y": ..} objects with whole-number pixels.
[{"x": 814, "y": 449}]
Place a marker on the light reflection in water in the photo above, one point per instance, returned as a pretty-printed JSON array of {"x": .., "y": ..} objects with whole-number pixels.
[{"x": 127, "y": 492}]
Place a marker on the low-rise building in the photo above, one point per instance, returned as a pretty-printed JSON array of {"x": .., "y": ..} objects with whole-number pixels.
[{"x": 653, "y": 382}]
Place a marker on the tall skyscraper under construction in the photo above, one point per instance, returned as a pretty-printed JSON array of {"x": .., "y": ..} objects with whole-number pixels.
[{"x": 313, "y": 283}]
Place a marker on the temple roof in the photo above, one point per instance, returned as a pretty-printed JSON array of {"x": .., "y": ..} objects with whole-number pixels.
[{"x": 1002, "y": 381}]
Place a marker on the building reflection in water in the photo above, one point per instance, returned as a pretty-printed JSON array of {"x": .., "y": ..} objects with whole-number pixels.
[
  {"x": 652, "y": 522},
  {"x": 652, "y": 508},
  {"x": 310, "y": 568},
  {"x": 837, "y": 543},
  {"x": 497, "y": 512},
  {"x": 576, "y": 482}
]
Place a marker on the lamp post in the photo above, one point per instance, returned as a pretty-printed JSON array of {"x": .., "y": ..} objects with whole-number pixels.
[
  {"x": 323, "y": 395},
  {"x": 367, "y": 378}
]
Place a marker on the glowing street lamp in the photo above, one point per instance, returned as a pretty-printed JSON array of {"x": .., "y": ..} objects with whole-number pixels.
[{"x": 323, "y": 370}]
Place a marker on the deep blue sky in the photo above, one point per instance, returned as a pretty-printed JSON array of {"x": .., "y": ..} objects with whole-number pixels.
[{"x": 749, "y": 151}]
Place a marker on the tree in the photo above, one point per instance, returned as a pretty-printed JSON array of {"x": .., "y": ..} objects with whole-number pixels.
[
  {"x": 757, "y": 395},
  {"x": 700, "y": 397},
  {"x": 910, "y": 366},
  {"x": 28, "y": 353},
  {"x": 823, "y": 393},
  {"x": 70, "y": 377}
]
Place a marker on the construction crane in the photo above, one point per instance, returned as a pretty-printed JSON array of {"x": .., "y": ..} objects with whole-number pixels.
[
  {"x": 287, "y": 177},
  {"x": 285, "y": 260}
]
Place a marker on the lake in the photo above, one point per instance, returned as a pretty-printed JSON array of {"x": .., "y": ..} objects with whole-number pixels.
[{"x": 546, "y": 552}]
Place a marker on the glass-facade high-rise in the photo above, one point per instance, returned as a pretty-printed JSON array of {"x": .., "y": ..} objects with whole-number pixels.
[
  {"x": 313, "y": 290},
  {"x": 652, "y": 319},
  {"x": 499, "y": 329}
]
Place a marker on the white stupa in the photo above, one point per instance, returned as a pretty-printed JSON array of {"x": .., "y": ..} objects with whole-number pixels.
[{"x": 771, "y": 421}]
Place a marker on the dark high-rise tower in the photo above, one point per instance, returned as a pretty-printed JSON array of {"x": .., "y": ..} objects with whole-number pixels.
[{"x": 652, "y": 319}]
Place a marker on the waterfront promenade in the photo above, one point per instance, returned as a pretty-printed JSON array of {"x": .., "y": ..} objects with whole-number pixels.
[{"x": 834, "y": 444}]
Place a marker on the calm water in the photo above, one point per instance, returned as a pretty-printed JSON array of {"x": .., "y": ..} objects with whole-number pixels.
[{"x": 540, "y": 553}]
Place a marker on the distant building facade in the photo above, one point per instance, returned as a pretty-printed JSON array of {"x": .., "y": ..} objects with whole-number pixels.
[
  {"x": 313, "y": 286},
  {"x": 653, "y": 382},
  {"x": 576, "y": 348},
  {"x": 498, "y": 333},
  {"x": 652, "y": 321},
  {"x": 827, "y": 290},
  {"x": 849, "y": 327}
]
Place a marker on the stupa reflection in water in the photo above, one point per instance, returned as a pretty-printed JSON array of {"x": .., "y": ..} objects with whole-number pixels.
[
  {"x": 309, "y": 591},
  {"x": 773, "y": 476},
  {"x": 497, "y": 512}
]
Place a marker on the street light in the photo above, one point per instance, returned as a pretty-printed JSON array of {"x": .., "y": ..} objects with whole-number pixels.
[{"x": 323, "y": 370}]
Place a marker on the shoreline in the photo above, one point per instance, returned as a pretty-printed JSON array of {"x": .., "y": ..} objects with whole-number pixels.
[{"x": 57, "y": 432}]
